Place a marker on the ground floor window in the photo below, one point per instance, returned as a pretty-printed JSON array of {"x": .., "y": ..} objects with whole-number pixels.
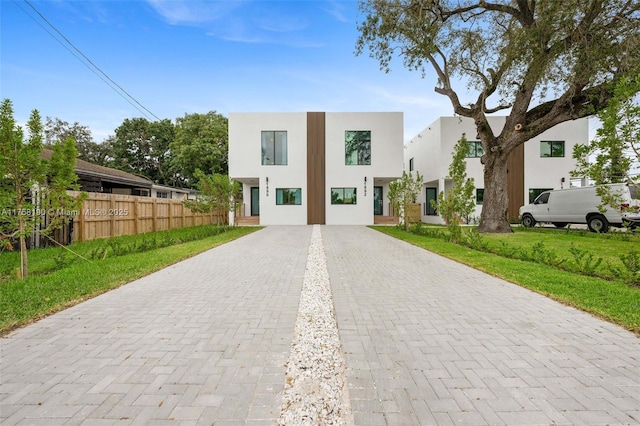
[
  {"x": 479, "y": 196},
  {"x": 343, "y": 196},
  {"x": 534, "y": 192},
  {"x": 288, "y": 196}
]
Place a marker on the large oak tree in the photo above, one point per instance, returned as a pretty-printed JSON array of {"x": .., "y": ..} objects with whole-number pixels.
[{"x": 543, "y": 62}]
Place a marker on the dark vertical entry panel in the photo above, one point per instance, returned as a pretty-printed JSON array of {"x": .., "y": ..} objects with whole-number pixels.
[
  {"x": 515, "y": 181},
  {"x": 316, "y": 168}
]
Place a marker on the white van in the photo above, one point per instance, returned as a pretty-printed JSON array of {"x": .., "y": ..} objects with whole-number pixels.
[{"x": 580, "y": 205}]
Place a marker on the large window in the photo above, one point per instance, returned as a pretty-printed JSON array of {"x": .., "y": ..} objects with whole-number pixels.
[
  {"x": 274, "y": 148},
  {"x": 343, "y": 195},
  {"x": 474, "y": 149},
  {"x": 534, "y": 192},
  {"x": 479, "y": 196},
  {"x": 288, "y": 196},
  {"x": 357, "y": 147},
  {"x": 552, "y": 149}
]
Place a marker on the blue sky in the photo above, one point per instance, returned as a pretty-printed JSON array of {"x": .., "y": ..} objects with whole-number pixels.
[{"x": 178, "y": 57}]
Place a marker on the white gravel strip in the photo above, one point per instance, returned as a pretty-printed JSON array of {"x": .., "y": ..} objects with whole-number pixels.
[{"x": 316, "y": 387}]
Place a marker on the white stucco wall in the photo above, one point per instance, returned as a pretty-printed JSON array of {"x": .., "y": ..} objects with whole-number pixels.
[
  {"x": 386, "y": 162},
  {"x": 432, "y": 151},
  {"x": 245, "y": 162}
]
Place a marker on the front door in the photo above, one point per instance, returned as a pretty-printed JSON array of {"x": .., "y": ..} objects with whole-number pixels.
[
  {"x": 255, "y": 201},
  {"x": 377, "y": 200}
]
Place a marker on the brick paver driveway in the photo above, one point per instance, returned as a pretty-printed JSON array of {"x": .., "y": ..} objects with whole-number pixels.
[{"x": 426, "y": 341}]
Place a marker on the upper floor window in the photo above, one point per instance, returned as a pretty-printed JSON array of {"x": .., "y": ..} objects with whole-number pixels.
[
  {"x": 288, "y": 196},
  {"x": 552, "y": 149},
  {"x": 474, "y": 149},
  {"x": 411, "y": 164},
  {"x": 274, "y": 148},
  {"x": 343, "y": 196},
  {"x": 357, "y": 144}
]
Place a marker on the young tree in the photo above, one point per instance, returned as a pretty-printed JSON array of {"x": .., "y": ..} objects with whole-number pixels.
[
  {"x": 617, "y": 142},
  {"x": 403, "y": 192},
  {"x": 616, "y": 147},
  {"x": 201, "y": 142},
  {"x": 32, "y": 190},
  {"x": 457, "y": 204},
  {"x": 217, "y": 194},
  {"x": 546, "y": 62}
]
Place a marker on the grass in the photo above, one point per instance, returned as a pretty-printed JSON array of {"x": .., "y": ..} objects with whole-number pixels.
[
  {"x": 24, "y": 301},
  {"x": 608, "y": 299}
]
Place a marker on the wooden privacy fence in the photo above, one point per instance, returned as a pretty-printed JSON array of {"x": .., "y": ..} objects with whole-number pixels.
[{"x": 112, "y": 215}]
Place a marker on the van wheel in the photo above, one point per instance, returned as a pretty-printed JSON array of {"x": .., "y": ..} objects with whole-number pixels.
[
  {"x": 559, "y": 224},
  {"x": 528, "y": 221},
  {"x": 598, "y": 223}
]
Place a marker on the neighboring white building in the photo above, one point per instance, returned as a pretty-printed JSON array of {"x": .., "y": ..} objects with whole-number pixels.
[
  {"x": 315, "y": 168},
  {"x": 542, "y": 163},
  {"x": 162, "y": 191}
]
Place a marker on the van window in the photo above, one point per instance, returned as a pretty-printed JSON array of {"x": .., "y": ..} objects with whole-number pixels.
[
  {"x": 534, "y": 192},
  {"x": 635, "y": 192},
  {"x": 542, "y": 199}
]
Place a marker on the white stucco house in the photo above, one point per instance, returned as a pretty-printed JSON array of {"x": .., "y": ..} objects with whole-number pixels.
[
  {"x": 540, "y": 164},
  {"x": 304, "y": 168}
]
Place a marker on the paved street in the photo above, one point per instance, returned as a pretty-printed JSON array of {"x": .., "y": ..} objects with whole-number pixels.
[{"x": 426, "y": 341}]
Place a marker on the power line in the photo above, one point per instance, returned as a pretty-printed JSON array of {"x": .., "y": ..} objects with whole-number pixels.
[{"x": 89, "y": 63}]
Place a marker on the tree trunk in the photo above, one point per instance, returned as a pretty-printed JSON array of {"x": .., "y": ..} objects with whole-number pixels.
[
  {"x": 493, "y": 218},
  {"x": 24, "y": 267}
]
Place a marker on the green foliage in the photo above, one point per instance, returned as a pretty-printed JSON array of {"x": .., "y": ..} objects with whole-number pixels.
[
  {"x": 217, "y": 194},
  {"x": 457, "y": 204},
  {"x": 142, "y": 147},
  {"x": 630, "y": 270},
  {"x": 33, "y": 192},
  {"x": 404, "y": 191},
  {"x": 546, "y": 62},
  {"x": 616, "y": 141},
  {"x": 201, "y": 142}
]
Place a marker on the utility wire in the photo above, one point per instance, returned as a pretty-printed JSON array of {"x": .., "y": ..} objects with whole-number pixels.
[{"x": 90, "y": 65}]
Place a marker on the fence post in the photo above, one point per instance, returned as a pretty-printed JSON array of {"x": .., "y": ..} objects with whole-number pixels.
[
  {"x": 112, "y": 206},
  {"x": 81, "y": 221},
  {"x": 136, "y": 225},
  {"x": 155, "y": 215}
]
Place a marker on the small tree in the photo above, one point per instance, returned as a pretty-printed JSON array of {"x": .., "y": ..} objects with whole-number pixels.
[
  {"x": 217, "y": 194},
  {"x": 616, "y": 146},
  {"x": 404, "y": 191},
  {"x": 457, "y": 204},
  {"x": 33, "y": 193}
]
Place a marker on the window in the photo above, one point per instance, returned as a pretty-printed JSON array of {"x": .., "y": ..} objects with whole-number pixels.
[
  {"x": 534, "y": 192},
  {"x": 274, "y": 148},
  {"x": 160, "y": 194},
  {"x": 357, "y": 144},
  {"x": 343, "y": 195},
  {"x": 288, "y": 196},
  {"x": 411, "y": 165},
  {"x": 552, "y": 149},
  {"x": 479, "y": 196},
  {"x": 474, "y": 149}
]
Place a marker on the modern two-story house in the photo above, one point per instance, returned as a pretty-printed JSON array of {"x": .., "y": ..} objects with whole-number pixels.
[
  {"x": 542, "y": 163},
  {"x": 329, "y": 168}
]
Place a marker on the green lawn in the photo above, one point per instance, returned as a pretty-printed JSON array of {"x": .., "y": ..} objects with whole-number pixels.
[
  {"x": 609, "y": 299},
  {"x": 52, "y": 287}
]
